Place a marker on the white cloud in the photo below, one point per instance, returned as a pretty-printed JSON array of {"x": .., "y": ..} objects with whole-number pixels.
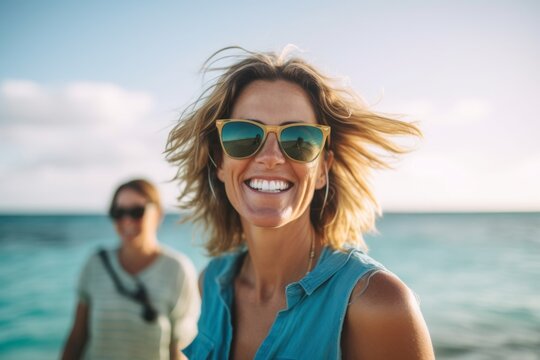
[
  {"x": 67, "y": 147},
  {"x": 20, "y": 89},
  {"x": 111, "y": 104},
  {"x": 431, "y": 180},
  {"x": 81, "y": 103},
  {"x": 76, "y": 104},
  {"x": 458, "y": 112},
  {"x": 471, "y": 158}
]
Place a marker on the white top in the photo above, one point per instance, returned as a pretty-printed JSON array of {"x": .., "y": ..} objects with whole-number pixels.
[{"x": 117, "y": 329}]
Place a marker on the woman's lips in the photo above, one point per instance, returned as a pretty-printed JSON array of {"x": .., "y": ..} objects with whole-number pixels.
[{"x": 268, "y": 185}]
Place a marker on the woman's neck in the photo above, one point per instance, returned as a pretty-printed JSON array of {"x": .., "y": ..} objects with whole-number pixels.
[
  {"x": 135, "y": 258},
  {"x": 278, "y": 257}
]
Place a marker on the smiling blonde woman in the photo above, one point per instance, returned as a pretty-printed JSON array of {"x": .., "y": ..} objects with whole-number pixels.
[{"x": 274, "y": 159}]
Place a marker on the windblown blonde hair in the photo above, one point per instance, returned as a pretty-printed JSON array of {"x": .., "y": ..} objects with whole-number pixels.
[{"x": 356, "y": 138}]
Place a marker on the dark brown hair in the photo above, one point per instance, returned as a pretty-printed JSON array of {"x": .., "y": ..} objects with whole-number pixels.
[{"x": 142, "y": 187}]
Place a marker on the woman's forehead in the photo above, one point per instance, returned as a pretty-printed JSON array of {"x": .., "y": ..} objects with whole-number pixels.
[
  {"x": 130, "y": 197},
  {"x": 274, "y": 102}
]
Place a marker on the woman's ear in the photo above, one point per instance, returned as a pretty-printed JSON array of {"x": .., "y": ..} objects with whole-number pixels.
[
  {"x": 324, "y": 169},
  {"x": 219, "y": 172},
  {"x": 329, "y": 158},
  {"x": 218, "y": 166}
]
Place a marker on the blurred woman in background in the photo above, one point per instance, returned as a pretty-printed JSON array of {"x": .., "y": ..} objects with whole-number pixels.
[{"x": 140, "y": 300}]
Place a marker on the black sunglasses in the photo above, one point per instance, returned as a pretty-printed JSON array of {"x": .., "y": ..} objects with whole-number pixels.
[
  {"x": 135, "y": 212},
  {"x": 301, "y": 142}
]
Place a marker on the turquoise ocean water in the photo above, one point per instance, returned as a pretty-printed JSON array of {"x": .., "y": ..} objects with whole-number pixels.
[{"x": 477, "y": 277}]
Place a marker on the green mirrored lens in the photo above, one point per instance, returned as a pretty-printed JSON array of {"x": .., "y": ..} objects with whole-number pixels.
[
  {"x": 241, "y": 139},
  {"x": 302, "y": 143}
]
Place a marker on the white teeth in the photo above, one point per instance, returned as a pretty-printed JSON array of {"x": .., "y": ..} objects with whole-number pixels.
[{"x": 268, "y": 186}]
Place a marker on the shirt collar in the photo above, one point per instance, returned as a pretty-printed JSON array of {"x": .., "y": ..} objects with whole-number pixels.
[{"x": 330, "y": 262}]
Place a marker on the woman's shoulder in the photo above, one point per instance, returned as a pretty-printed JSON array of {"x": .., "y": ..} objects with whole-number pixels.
[
  {"x": 382, "y": 293},
  {"x": 92, "y": 269},
  {"x": 377, "y": 287},
  {"x": 383, "y": 307},
  {"x": 94, "y": 258},
  {"x": 174, "y": 259}
]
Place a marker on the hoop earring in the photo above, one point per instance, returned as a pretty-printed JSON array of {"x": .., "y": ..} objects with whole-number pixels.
[
  {"x": 325, "y": 191},
  {"x": 208, "y": 170},
  {"x": 210, "y": 182},
  {"x": 212, "y": 160}
]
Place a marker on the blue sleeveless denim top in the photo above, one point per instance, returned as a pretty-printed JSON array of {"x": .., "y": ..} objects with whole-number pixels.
[{"x": 310, "y": 325}]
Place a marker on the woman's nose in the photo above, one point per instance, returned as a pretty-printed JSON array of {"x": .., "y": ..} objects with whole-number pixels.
[{"x": 270, "y": 155}]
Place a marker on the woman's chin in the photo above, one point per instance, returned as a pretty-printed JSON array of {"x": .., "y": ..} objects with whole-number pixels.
[
  {"x": 130, "y": 239},
  {"x": 267, "y": 218}
]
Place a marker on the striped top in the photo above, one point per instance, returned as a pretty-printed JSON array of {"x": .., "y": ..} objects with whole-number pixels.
[{"x": 116, "y": 327}]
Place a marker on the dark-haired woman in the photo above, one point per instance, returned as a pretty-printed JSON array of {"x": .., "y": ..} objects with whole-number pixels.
[{"x": 140, "y": 300}]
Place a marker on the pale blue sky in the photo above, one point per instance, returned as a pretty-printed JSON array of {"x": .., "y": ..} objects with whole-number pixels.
[{"x": 89, "y": 88}]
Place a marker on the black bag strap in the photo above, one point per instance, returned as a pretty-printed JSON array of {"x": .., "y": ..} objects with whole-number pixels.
[{"x": 140, "y": 295}]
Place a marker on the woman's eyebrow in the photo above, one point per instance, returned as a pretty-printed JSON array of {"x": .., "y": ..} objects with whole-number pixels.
[
  {"x": 283, "y": 123},
  {"x": 291, "y": 122}
]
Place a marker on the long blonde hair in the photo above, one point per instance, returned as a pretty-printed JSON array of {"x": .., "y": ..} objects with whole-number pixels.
[{"x": 357, "y": 136}]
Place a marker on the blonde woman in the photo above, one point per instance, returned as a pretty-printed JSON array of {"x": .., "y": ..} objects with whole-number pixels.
[{"x": 274, "y": 159}]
